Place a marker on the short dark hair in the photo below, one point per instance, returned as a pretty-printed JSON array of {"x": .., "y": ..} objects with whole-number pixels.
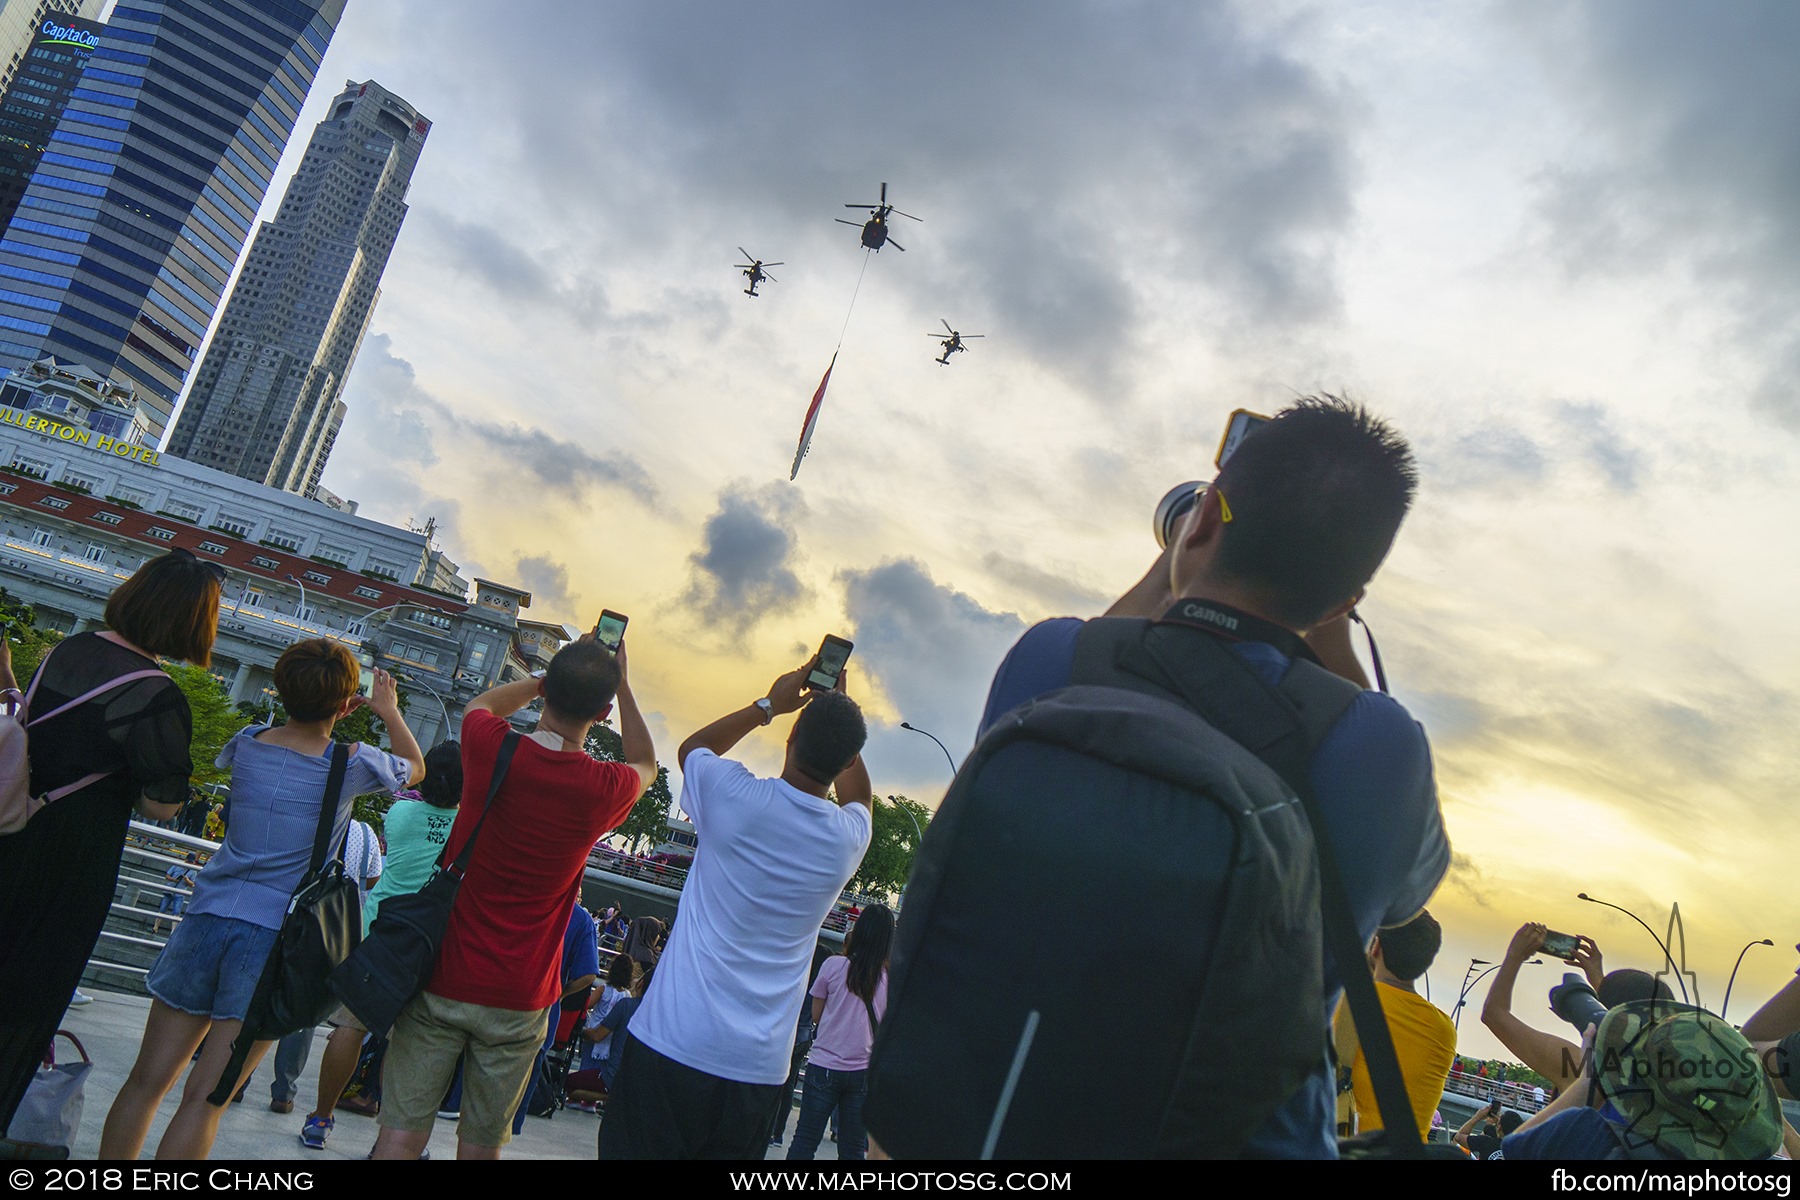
[
  {"x": 315, "y": 678},
  {"x": 1316, "y": 496},
  {"x": 443, "y": 782},
  {"x": 1628, "y": 984},
  {"x": 582, "y": 680},
  {"x": 1408, "y": 950},
  {"x": 170, "y": 607},
  {"x": 828, "y": 735},
  {"x": 621, "y": 972},
  {"x": 1509, "y": 1121}
]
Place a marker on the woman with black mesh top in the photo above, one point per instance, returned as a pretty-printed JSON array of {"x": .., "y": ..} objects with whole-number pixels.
[{"x": 124, "y": 744}]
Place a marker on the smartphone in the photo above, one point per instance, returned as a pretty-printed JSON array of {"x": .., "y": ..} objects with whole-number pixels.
[
  {"x": 1560, "y": 945},
  {"x": 834, "y": 652},
  {"x": 1236, "y": 430},
  {"x": 610, "y": 630},
  {"x": 365, "y": 681}
]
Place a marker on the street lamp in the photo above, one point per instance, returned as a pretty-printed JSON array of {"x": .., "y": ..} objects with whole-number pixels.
[
  {"x": 1469, "y": 984},
  {"x": 433, "y": 693},
  {"x": 1669, "y": 958},
  {"x": 1734, "y": 971},
  {"x": 301, "y": 614},
  {"x": 940, "y": 745}
]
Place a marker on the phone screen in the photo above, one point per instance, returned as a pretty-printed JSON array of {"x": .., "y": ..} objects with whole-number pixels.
[
  {"x": 834, "y": 652},
  {"x": 1559, "y": 945},
  {"x": 611, "y": 629},
  {"x": 365, "y": 682},
  {"x": 1236, "y": 429}
]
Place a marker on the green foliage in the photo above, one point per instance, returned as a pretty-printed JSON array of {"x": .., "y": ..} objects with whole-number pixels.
[
  {"x": 216, "y": 719},
  {"x": 649, "y": 817},
  {"x": 18, "y": 623},
  {"x": 371, "y": 809},
  {"x": 885, "y": 867}
]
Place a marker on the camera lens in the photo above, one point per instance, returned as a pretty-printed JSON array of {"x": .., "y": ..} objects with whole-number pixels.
[
  {"x": 1172, "y": 507},
  {"x": 1575, "y": 1002}
]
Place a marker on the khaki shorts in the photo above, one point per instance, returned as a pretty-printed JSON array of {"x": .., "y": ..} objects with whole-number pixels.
[
  {"x": 343, "y": 1018},
  {"x": 498, "y": 1046}
]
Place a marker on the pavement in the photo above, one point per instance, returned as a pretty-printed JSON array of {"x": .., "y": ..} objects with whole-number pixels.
[{"x": 112, "y": 1027}]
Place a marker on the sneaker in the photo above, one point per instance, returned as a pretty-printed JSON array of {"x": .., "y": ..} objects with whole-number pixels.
[
  {"x": 80, "y": 998},
  {"x": 316, "y": 1131}
]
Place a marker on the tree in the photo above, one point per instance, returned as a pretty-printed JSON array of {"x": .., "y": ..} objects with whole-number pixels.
[
  {"x": 216, "y": 719},
  {"x": 18, "y": 623},
  {"x": 649, "y": 817},
  {"x": 895, "y": 841}
]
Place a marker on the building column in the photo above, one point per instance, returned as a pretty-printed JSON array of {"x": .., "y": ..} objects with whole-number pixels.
[{"x": 239, "y": 682}]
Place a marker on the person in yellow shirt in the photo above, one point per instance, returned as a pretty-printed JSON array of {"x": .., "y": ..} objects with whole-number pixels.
[{"x": 1424, "y": 1038}]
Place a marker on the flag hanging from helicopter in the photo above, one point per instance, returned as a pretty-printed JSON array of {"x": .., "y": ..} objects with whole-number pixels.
[{"x": 812, "y": 420}]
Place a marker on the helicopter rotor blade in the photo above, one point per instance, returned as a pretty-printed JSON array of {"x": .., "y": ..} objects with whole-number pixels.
[
  {"x": 884, "y": 192},
  {"x": 894, "y": 244},
  {"x": 967, "y": 336},
  {"x": 908, "y": 215},
  {"x": 775, "y": 264},
  {"x": 946, "y": 326},
  {"x": 770, "y": 277},
  {"x": 746, "y": 254},
  {"x": 870, "y": 207},
  {"x": 852, "y": 224}
]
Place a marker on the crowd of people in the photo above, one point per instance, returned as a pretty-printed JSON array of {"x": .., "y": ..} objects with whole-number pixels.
[{"x": 690, "y": 1037}]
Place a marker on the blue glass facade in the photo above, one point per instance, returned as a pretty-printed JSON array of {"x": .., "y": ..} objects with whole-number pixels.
[{"x": 150, "y": 183}]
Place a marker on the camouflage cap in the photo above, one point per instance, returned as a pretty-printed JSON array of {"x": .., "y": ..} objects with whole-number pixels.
[{"x": 1686, "y": 1081}]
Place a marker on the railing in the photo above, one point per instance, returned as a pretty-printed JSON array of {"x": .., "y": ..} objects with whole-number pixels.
[{"x": 1518, "y": 1096}]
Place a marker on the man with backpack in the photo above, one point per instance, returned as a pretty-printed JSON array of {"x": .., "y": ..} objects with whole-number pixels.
[{"x": 1167, "y": 759}]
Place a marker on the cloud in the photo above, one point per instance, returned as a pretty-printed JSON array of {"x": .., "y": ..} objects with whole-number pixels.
[
  {"x": 932, "y": 650},
  {"x": 744, "y": 570},
  {"x": 396, "y": 419},
  {"x": 512, "y": 271},
  {"x": 548, "y": 582},
  {"x": 1690, "y": 163},
  {"x": 1055, "y": 591}
]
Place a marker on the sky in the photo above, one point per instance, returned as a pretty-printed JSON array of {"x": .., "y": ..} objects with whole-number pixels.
[{"x": 1557, "y": 245}]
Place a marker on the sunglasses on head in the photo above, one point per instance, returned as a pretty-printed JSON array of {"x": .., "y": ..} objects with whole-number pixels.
[{"x": 216, "y": 570}]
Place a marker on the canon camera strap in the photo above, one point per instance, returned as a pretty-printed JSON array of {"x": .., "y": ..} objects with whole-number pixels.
[{"x": 1235, "y": 625}]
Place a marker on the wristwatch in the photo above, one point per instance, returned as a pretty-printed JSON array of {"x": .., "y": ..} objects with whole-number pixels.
[{"x": 766, "y": 709}]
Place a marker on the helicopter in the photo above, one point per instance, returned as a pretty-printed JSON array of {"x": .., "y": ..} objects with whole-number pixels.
[
  {"x": 953, "y": 343},
  {"x": 875, "y": 230},
  {"x": 754, "y": 271}
]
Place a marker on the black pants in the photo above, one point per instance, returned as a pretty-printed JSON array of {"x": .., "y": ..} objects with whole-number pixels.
[{"x": 659, "y": 1109}]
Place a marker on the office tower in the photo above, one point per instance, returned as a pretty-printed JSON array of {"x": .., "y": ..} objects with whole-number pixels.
[
  {"x": 22, "y": 20},
  {"x": 120, "y": 250},
  {"x": 30, "y": 108},
  {"x": 264, "y": 404}
]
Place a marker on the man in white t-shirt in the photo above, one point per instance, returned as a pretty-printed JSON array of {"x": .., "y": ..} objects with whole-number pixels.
[{"x": 709, "y": 1047}]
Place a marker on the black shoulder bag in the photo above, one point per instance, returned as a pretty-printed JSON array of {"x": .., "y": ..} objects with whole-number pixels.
[
  {"x": 394, "y": 963},
  {"x": 322, "y": 926}
]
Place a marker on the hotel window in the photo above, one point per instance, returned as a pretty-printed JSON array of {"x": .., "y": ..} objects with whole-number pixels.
[
  {"x": 478, "y": 655},
  {"x": 267, "y": 564},
  {"x": 187, "y": 512},
  {"x": 31, "y": 466},
  {"x": 306, "y": 612},
  {"x": 315, "y": 577},
  {"x": 252, "y": 599},
  {"x": 354, "y": 629},
  {"x": 95, "y": 554},
  {"x": 80, "y": 481},
  {"x": 232, "y": 526},
  {"x": 109, "y": 518},
  {"x": 331, "y": 554},
  {"x": 130, "y": 496},
  {"x": 368, "y": 593},
  {"x": 53, "y": 502},
  {"x": 7, "y": 489},
  {"x": 286, "y": 541},
  {"x": 211, "y": 548},
  {"x": 429, "y": 657},
  {"x": 162, "y": 535},
  {"x": 41, "y": 539}
]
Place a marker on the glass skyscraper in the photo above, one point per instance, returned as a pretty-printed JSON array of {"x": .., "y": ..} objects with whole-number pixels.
[
  {"x": 48, "y": 73},
  {"x": 265, "y": 404},
  {"x": 119, "y": 253}
]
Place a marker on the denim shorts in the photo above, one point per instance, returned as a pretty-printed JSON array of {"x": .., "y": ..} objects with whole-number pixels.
[{"x": 211, "y": 965}]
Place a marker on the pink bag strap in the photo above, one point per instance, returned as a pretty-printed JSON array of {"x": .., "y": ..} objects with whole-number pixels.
[
  {"x": 115, "y": 682},
  {"x": 50, "y": 1050}
]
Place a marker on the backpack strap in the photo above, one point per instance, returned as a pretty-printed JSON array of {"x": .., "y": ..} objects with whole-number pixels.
[
  {"x": 1282, "y": 726},
  {"x": 509, "y": 746},
  {"x": 24, "y": 713}
]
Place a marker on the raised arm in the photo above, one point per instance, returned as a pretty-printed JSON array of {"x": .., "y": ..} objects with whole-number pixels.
[
  {"x": 508, "y": 698},
  {"x": 1779, "y": 1017},
  {"x": 1550, "y": 1056},
  {"x": 384, "y": 702},
  {"x": 634, "y": 735},
  {"x": 787, "y": 694},
  {"x": 853, "y": 786}
]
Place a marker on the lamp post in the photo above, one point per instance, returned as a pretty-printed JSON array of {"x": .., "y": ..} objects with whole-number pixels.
[
  {"x": 1667, "y": 957},
  {"x": 434, "y": 694},
  {"x": 301, "y": 614},
  {"x": 1734, "y": 971},
  {"x": 940, "y": 745},
  {"x": 1469, "y": 984}
]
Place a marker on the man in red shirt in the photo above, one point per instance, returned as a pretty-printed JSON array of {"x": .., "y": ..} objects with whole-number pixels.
[{"x": 498, "y": 972}]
